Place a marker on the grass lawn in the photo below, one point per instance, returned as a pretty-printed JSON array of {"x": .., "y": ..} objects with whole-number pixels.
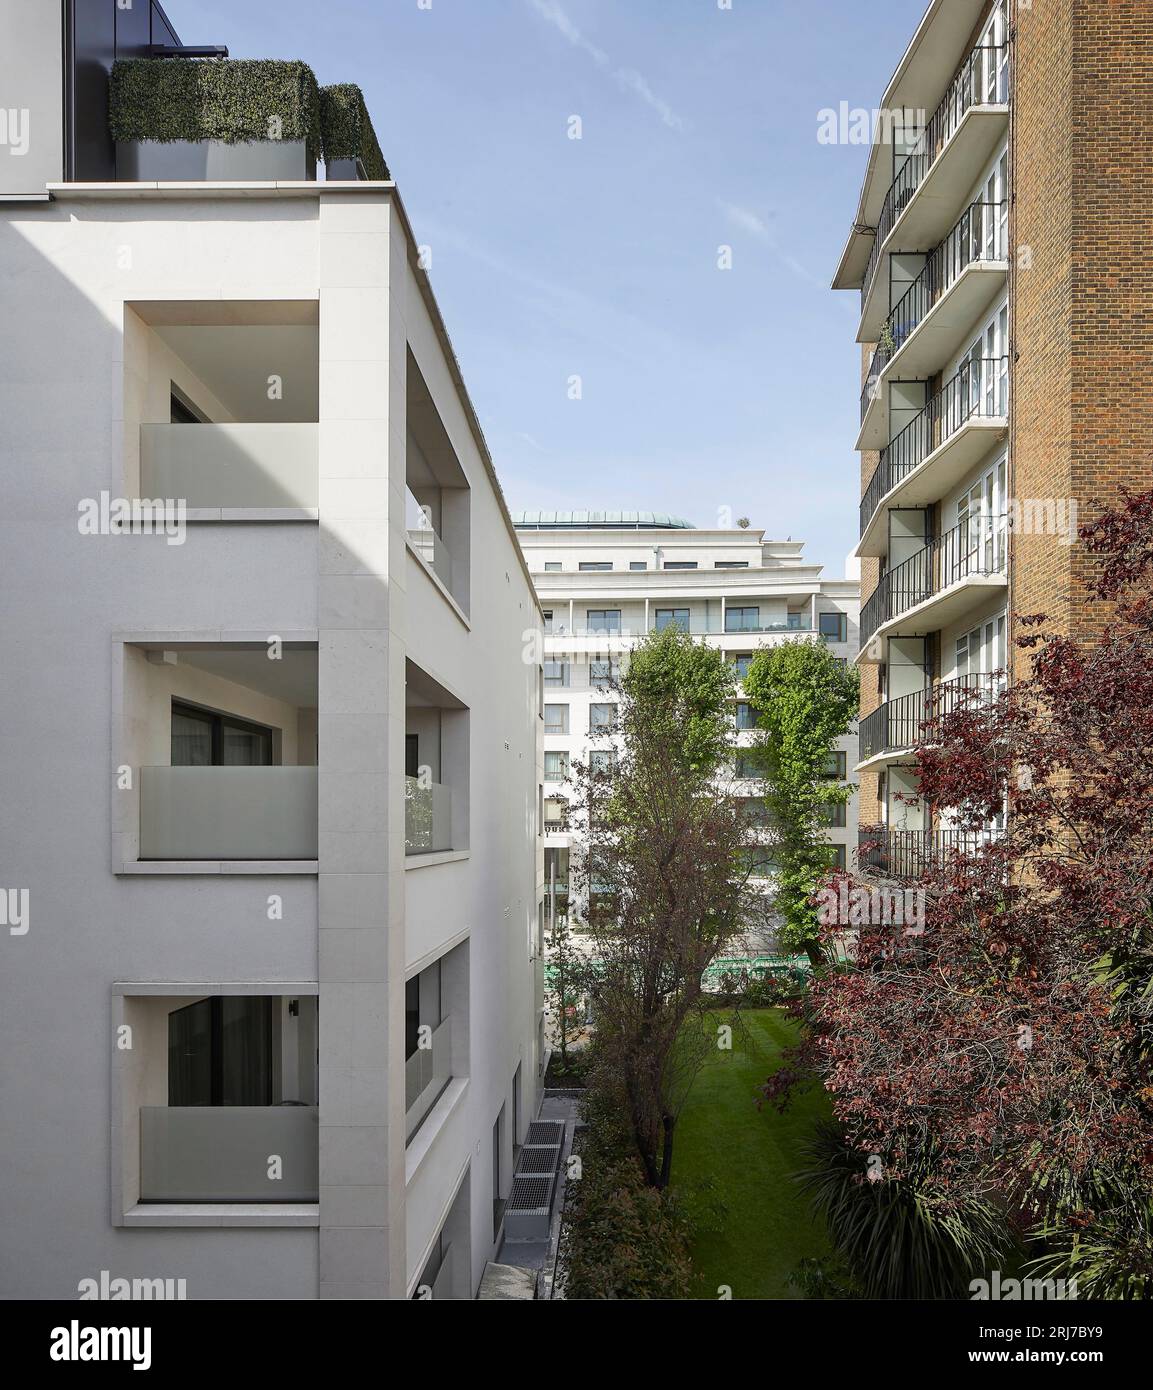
[{"x": 751, "y": 1155}]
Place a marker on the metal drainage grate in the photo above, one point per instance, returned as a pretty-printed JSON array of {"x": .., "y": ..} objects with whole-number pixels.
[
  {"x": 540, "y": 1160},
  {"x": 545, "y": 1132}
]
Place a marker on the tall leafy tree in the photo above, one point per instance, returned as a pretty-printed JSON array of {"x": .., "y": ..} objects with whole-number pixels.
[
  {"x": 664, "y": 882},
  {"x": 804, "y": 701}
]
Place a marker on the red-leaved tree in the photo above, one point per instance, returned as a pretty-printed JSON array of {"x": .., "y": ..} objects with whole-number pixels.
[{"x": 1003, "y": 1049}]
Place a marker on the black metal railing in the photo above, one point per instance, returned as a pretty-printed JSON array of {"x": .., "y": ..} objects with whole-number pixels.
[
  {"x": 979, "y": 235},
  {"x": 975, "y": 547},
  {"x": 982, "y": 81},
  {"x": 980, "y": 390},
  {"x": 897, "y": 724},
  {"x": 911, "y": 853}
]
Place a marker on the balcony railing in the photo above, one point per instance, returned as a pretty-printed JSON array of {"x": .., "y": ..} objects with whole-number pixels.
[
  {"x": 426, "y": 1073},
  {"x": 219, "y": 1153},
  {"x": 228, "y": 812},
  {"x": 973, "y": 549},
  {"x": 979, "y": 236},
  {"x": 427, "y": 816},
  {"x": 426, "y": 540},
  {"x": 980, "y": 390},
  {"x": 911, "y": 853},
  {"x": 897, "y": 724},
  {"x": 982, "y": 81},
  {"x": 250, "y": 465}
]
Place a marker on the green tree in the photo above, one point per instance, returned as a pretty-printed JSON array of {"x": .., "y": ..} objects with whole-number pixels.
[
  {"x": 804, "y": 701},
  {"x": 665, "y": 889}
]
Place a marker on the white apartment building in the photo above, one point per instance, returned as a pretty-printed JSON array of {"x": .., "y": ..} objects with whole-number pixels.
[
  {"x": 271, "y": 999},
  {"x": 604, "y": 579}
]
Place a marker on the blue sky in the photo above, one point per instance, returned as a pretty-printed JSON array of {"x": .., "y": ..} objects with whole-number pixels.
[{"x": 701, "y": 389}]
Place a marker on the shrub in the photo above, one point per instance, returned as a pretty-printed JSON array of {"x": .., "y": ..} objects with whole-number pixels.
[
  {"x": 228, "y": 99},
  {"x": 898, "y": 1240},
  {"x": 346, "y": 129},
  {"x": 620, "y": 1238}
]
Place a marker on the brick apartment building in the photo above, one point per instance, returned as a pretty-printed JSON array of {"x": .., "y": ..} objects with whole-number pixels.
[{"x": 1002, "y": 251}]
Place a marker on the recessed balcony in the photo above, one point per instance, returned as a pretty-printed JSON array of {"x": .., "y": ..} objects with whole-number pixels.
[
  {"x": 435, "y": 767},
  {"x": 907, "y": 854},
  {"x": 894, "y": 729},
  {"x": 222, "y": 407},
  {"x": 219, "y": 1100},
  {"x": 938, "y": 447},
  {"x": 961, "y": 278},
  {"x": 925, "y": 197},
  {"x": 940, "y": 582},
  {"x": 221, "y": 743}
]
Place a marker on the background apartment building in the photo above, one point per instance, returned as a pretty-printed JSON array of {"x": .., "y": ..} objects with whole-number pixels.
[
  {"x": 272, "y": 1027},
  {"x": 605, "y": 579},
  {"x": 1001, "y": 251}
]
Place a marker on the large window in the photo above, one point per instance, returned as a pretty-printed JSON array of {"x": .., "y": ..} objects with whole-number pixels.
[
  {"x": 602, "y": 718},
  {"x": 746, "y": 715},
  {"x": 224, "y": 1051},
  {"x": 202, "y": 738},
  {"x": 601, "y": 672},
  {"x": 833, "y": 626},
  {"x": 742, "y": 661},
  {"x": 835, "y": 765},
  {"x": 672, "y": 617},
  {"x": 555, "y": 814},
  {"x": 556, "y": 673},
  {"x": 742, "y": 619},
  {"x": 747, "y": 765},
  {"x": 603, "y": 761},
  {"x": 555, "y": 766},
  {"x": 556, "y": 719},
  {"x": 834, "y": 816},
  {"x": 604, "y": 619}
]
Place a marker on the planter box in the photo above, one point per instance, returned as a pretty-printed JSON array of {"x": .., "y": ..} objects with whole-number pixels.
[{"x": 212, "y": 161}]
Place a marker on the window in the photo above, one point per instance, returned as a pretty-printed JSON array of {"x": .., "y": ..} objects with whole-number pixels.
[
  {"x": 412, "y": 755},
  {"x": 603, "y": 761},
  {"x": 556, "y": 673},
  {"x": 679, "y": 565},
  {"x": 552, "y": 567},
  {"x": 224, "y": 1051},
  {"x": 756, "y": 861},
  {"x": 604, "y": 619},
  {"x": 834, "y": 816},
  {"x": 838, "y": 856},
  {"x": 602, "y": 718},
  {"x": 594, "y": 566},
  {"x": 747, "y": 765},
  {"x": 201, "y": 738},
  {"x": 556, "y": 869},
  {"x": 742, "y": 619},
  {"x": 555, "y": 766},
  {"x": 742, "y": 661},
  {"x": 746, "y": 718},
  {"x": 546, "y": 614},
  {"x": 835, "y": 765},
  {"x": 555, "y": 814},
  {"x": 833, "y": 626},
  {"x": 754, "y": 810},
  {"x": 672, "y": 617},
  {"x": 181, "y": 410},
  {"x": 730, "y": 564},
  {"x": 795, "y": 622},
  {"x": 638, "y": 564},
  {"x": 603, "y": 671},
  {"x": 556, "y": 719},
  {"x": 841, "y": 663}
]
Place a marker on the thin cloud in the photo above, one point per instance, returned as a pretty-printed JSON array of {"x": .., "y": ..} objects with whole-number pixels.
[
  {"x": 748, "y": 221},
  {"x": 628, "y": 79},
  {"x": 745, "y": 219}
]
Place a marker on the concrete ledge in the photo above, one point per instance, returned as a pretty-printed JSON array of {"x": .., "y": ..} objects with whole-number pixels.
[
  {"x": 219, "y": 514},
  {"x": 435, "y": 1121},
  {"x": 154, "y": 867},
  {"x": 426, "y": 861},
  {"x": 224, "y": 1214}
]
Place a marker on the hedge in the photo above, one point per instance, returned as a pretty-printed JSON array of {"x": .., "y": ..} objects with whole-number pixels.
[
  {"x": 346, "y": 129},
  {"x": 229, "y": 99}
]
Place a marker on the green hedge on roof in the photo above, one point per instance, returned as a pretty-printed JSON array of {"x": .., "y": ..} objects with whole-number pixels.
[
  {"x": 228, "y": 99},
  {"x": 346, "y": 129}
]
